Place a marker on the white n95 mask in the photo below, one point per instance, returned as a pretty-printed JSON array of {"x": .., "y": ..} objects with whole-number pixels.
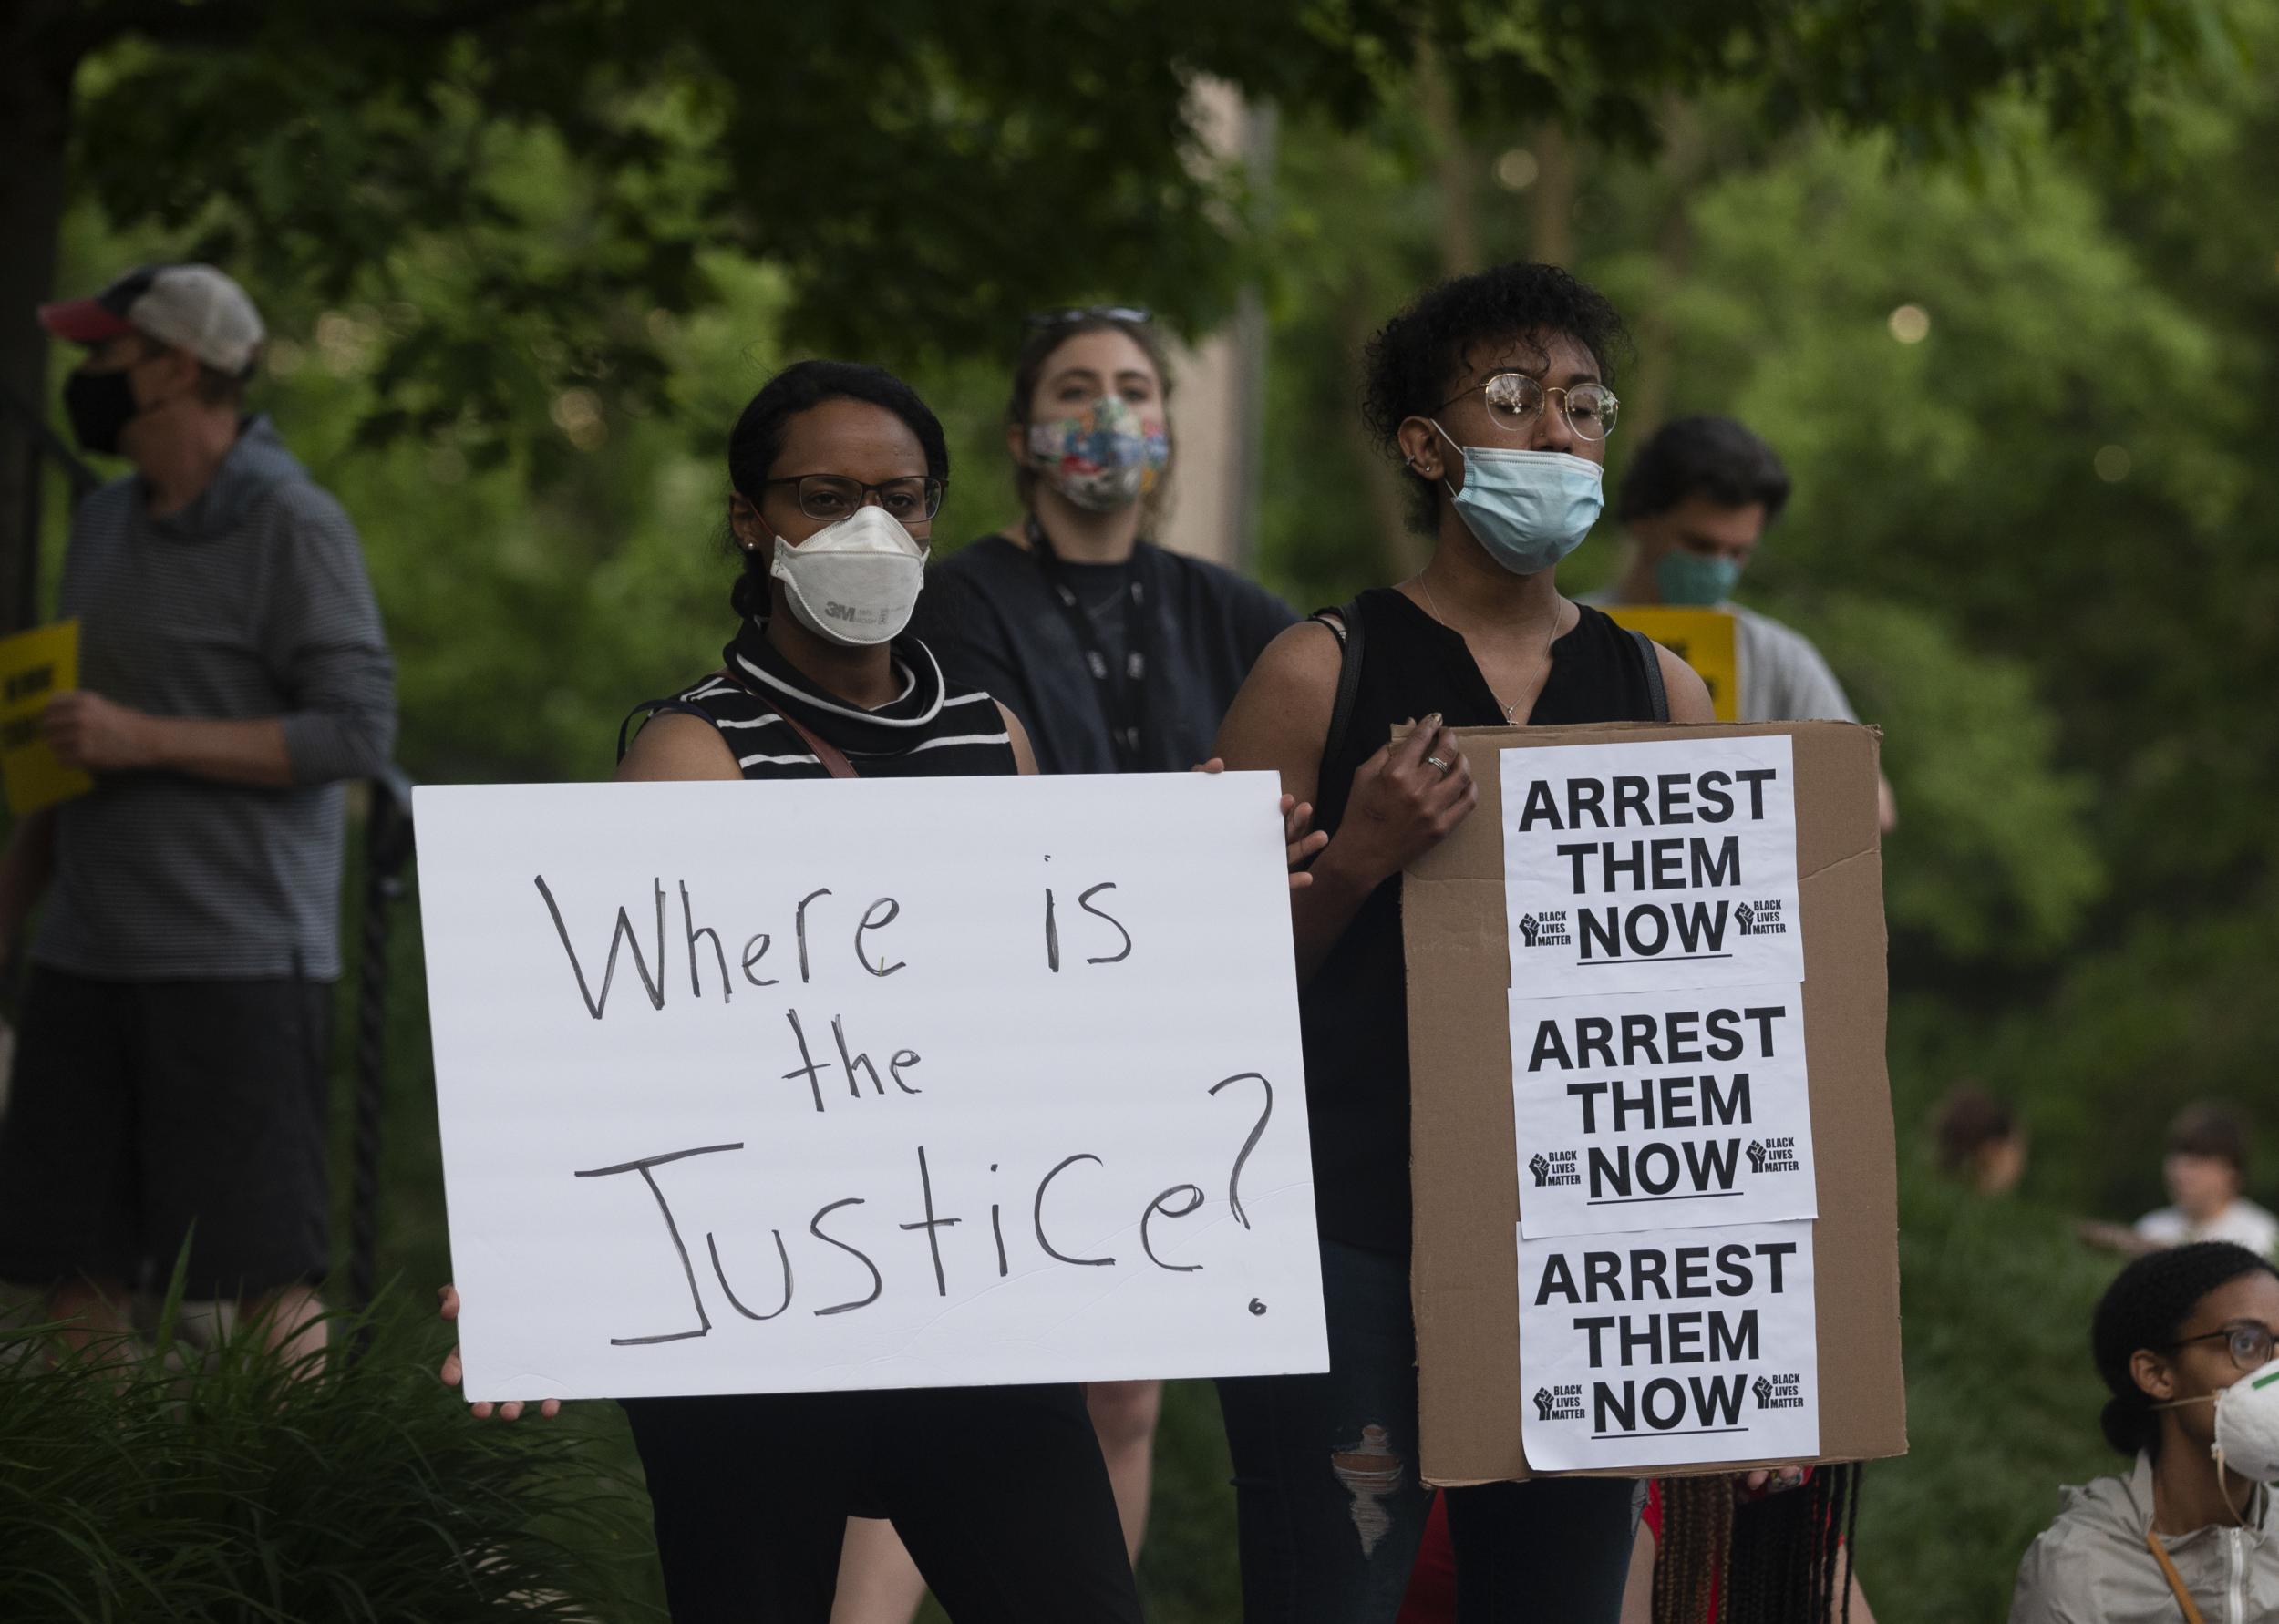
[
  {"x": 855, "y": 582},
  {"x": 2247, "y": 1425}
]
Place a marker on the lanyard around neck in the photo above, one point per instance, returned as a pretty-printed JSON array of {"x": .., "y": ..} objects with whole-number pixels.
[{"x": 1123, "y": 703}]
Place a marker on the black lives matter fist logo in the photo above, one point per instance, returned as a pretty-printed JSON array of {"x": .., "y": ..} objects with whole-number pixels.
[
  {"x": 1542, "y": 1403},
  {"x": 1541, "y": 1167},
  {"x": 1756, "y": 1157},
  {"x": 1529, "y": 929},
  {"x": 1763, "y": 1390}
]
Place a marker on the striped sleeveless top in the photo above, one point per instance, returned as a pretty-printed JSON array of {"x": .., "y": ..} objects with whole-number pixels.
[{"x": 931, "y": 729}]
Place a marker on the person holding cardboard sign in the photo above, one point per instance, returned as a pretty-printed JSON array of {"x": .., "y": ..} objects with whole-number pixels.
[{"x": 1495, "y": 393}]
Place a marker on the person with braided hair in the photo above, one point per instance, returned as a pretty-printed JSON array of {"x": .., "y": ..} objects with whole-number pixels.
[
  {"x": 1725, "y": 1548},
  {"x": 2184, "y": 1535},
  {"x": 1763, "y": 1548}
]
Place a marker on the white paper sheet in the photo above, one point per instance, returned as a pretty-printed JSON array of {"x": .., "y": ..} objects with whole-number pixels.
[
  {"x": 1669, "y": 863},
  {"x": 1670, "y": 1348},
  {"x": 1659, "y": 1110},
  {"x": 1075, "y": 1148}
]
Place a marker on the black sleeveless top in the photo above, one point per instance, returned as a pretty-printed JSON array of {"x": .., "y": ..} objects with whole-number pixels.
[
  {"x": 931, "y": 729},
  {"x": 1354, "y": 1012}
]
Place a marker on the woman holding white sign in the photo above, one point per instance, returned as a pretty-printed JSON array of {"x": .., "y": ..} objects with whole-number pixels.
[
  {"x": 1494, "y": 392},
  {"x": 837, "y": 472}
]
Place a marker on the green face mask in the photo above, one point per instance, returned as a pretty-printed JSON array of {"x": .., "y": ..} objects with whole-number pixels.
[{"x": 1688, "y": 580}]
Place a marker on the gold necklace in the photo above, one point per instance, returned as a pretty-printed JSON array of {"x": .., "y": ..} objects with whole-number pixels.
[{"x": 1557, "y": 614}]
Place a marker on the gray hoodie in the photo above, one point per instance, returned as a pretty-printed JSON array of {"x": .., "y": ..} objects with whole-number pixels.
[{"x": 2092, "y": 1567}]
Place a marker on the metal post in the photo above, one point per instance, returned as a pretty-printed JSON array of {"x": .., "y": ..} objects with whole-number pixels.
[{"x": 387, "y": 846}]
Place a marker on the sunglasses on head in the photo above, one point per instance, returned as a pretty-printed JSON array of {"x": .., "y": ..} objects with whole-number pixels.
[{"x": 1134, "y": 314}]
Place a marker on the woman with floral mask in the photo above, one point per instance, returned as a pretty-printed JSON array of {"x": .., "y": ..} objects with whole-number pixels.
[
  {"x": 1494, "y": 391},
  {"x": 1119, "y": 655},
  {"x": 2184, "y": 1341}
]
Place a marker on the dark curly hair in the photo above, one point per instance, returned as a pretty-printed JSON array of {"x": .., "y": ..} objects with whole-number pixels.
[
  {"x": 2147, "y": 1304},
  {"x": 1419, "y": 357},
  {"x": 757, "y": 438},
  {"x": 1713, "y": 457}
]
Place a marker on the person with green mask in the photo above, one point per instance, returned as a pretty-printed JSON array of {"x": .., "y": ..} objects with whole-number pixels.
[{"x": 1698, "y": 500}]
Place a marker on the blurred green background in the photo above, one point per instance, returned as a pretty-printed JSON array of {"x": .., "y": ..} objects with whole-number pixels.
[{"x": 2000, "y": 282}]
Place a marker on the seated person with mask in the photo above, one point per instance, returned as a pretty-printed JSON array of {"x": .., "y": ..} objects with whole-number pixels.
[
  {"x": 2183, "y": 1340},
  {"x": 1698, "y": 500}
]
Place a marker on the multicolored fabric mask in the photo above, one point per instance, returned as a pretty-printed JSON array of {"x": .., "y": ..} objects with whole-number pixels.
[{"x": 1103, "y": 458}]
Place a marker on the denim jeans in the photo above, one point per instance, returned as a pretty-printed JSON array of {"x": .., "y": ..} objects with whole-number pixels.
[{"x": 1331, "y": 1509}]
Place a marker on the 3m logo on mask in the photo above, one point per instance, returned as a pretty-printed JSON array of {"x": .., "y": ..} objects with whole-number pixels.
[
  {"x": 1783, "y": 1391},
  {"x": 1547, "y": 929}
]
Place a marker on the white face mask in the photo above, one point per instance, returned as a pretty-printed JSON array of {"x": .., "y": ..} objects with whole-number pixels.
[
  {"x": 2247, "y": 1427},
  {"x": 855, "y": 582}
]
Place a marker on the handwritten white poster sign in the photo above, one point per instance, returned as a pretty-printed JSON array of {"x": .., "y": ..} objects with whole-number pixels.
[
  {"x": 1672, "y": 1349},
  {"x": 1667, "y": 863},
  {"x": 799, "y": 1086},
  {"x": 1659, "y": 1110}
]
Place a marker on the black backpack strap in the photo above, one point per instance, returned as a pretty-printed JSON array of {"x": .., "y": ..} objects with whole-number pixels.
[
  {"x": 1346, "y": 623},
  {"x": 648, "y": 708},
  {"x": 1655, "y": 686}
]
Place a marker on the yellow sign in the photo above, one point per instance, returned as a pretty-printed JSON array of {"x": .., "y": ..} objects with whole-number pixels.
[
  {"x": 1702, "y": 638},
  {"x": 36, "y": 666}
]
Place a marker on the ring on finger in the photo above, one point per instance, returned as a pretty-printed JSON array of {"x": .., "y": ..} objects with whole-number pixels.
[{"x": 1446, "y": 767}]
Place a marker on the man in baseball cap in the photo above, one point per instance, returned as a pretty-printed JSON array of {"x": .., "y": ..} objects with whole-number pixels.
[{"x": 170, "y": 1074}]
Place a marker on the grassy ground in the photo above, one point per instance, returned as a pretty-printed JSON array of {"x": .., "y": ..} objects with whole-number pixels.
[{"x": 2002, "y": 1400}]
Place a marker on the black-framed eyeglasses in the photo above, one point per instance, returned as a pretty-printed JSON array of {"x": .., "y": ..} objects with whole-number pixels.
[
  {"x": 2249, "y": 1341},
  {"x": 1514, "y": 399},
  {"x": 1136, "y": 315},
  {"x": 835, "y": 496}
]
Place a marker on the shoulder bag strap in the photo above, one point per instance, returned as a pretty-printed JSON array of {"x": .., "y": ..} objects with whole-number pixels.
[
  {"x": 1346, "y": 625},
  {"x": 2175, "y": 1579},
  {"x": 1655, "y": 686},
  {"x": 833, "y": 758}
]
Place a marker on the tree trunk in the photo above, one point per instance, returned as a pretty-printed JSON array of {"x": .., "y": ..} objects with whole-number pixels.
[
  {"x": 1455, "y": 169},
  {"x": 1646, "y": 399},
  {"x": 34, "y": 126},
  {"x": 1551, "y": 219}
]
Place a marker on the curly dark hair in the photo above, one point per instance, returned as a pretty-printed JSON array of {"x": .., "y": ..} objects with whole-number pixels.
[
  {"x": 2146, "y": 1305},
  {"x": 757, "y": 438},
  {"x": 1420, "y": 356}
]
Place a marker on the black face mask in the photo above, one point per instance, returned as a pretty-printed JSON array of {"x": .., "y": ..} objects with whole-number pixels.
[{"x": 100, "y": 405}]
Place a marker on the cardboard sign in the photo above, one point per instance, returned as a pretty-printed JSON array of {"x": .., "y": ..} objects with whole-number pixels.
[
  {"x": 1637, "y": 867},
  {"x": 1671, "y": 1350},
  {"x": 1472, "y": 1188},
  {"x": 789, "y": 1087},
  {"x": 1706, "y": 638},
  {"x": 36, "y": 666},
  {"x": 1661, "y": 1110}
]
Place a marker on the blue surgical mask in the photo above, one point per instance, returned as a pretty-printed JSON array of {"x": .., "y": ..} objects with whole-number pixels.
[
  {"x": 1528, "y": 508},
  {"x": 1691, "y": 580}
]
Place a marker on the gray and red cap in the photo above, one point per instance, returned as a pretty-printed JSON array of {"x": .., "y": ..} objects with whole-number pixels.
[{"x": 190, "y": 307}]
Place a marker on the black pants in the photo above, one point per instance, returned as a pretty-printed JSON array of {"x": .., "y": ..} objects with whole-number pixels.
[
  {"x": 1332, "y": 1509},
  {"x": 142, "y": 1110},
  {"x": 999, "y": 1494}
]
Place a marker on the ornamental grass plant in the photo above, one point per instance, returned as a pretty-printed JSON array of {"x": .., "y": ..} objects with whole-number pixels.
[{"x": 148, "y": 1479}]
